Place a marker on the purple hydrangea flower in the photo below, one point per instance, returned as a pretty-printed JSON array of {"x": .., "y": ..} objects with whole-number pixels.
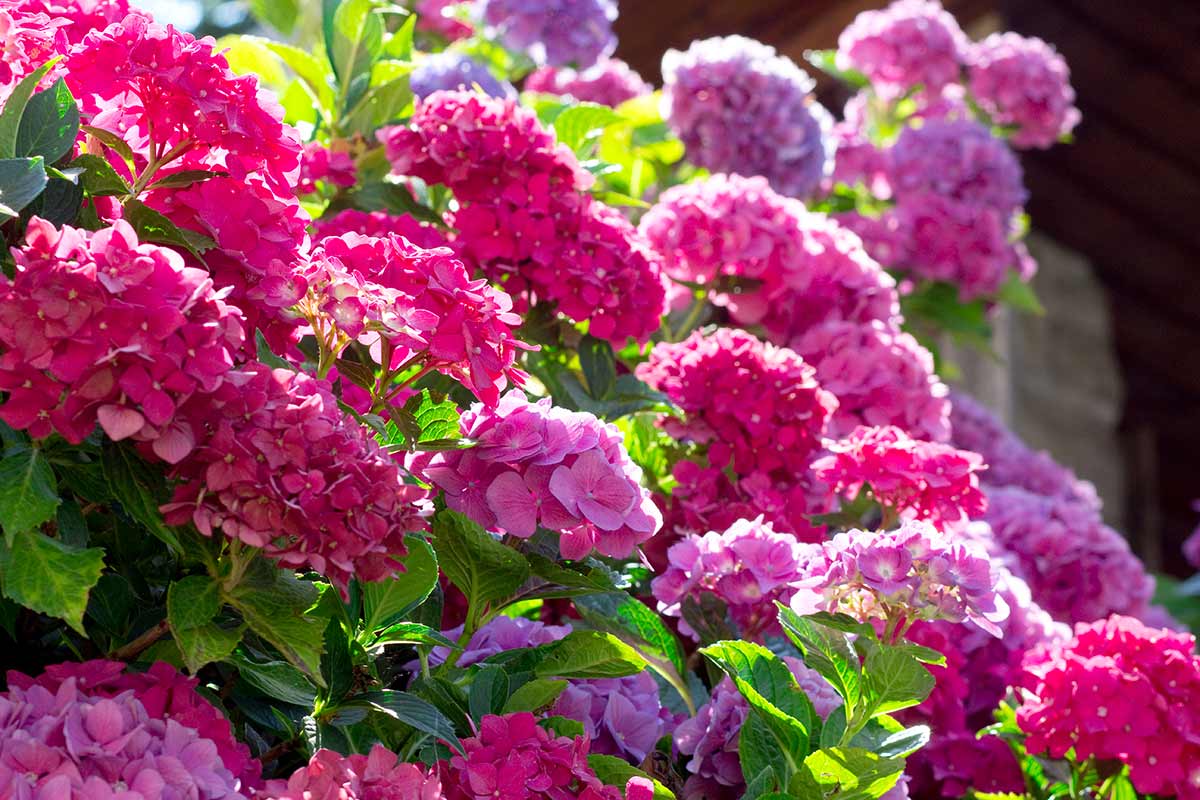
[
  {"x": 610, "y": 82},
  {"x": 560, "y": 33},
  {"x": 741, "y": 107},
  {"x": 908, "y": 44},
  {"x": 1024, "y": 83},
  {"x": 621, "y": 716},
  {"x": 449, "y": 70}
]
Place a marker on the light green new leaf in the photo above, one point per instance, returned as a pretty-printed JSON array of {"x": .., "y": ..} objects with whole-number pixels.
[
  {"x": 615, "y": 771},
  {"x": 894, "y": 680},
  {"x": 589, "y": 654},
  {"x": 535, "y": 695},
  {"x": 826, "y": 650},
  {"x": 846, "y": 773}
]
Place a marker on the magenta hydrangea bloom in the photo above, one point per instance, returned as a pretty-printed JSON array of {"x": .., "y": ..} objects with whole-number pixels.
[
  {"x": 450, "y": 70},
  {"x": 69, "y": 742},
  {"x": 1118, "y": 690},
  {"x": 609, "y": 82},
  {"x": 1024, "y": 83},
  {"x": 536, "y": 465},
  {"x": 749, "y": 566},
  {"x": 880, "y": 376},
  {"x": 379, "y": 775},
  {"x": 908, "y": 574},
  {"x": 73, "y": 18},
  {"x": 1079, "y": 568},
  {"x": 319, "y": 163},
  {"x": 513, "y": 758},
  {"x": 96, "y": 326},
  {"x": 741, "y": 107},
  {"x": 164, "y": 693},
  {"x": 413, "y": 306},
  {"x": 557, "y": 32},
  {"x": 31, "y": 38},
  {"x": 758, "y": 407},
  {"x": 440, "y": 17},
  {"x": 799, "y": 268},
  {"x": 917, "y": 479},
  {"x": 910, "y": 43},
  {"x": 382, "y": 225},
  {"x": 279, "y": 466}
]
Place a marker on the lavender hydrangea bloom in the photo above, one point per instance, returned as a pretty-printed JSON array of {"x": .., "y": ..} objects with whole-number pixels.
[
  {"x": 910, "y": 43},
  {"x": 610, "y": 82},
  {"x": 448, "y": 70},
  {"x": 621, "y": 716},
  {"x": 740, "y": 107},
  {"x": 1024, "y": 82},
  {"x": 560, "y": 33}
]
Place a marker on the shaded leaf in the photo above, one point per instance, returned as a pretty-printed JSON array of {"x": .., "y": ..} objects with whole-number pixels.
[
  {"x": 43, "y": 574},
  {"x": 49, "y": 124},
  {"x": 28, "y": 492}
]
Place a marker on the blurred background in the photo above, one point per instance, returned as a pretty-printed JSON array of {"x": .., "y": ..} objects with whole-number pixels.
[{"x": 1108, "y": 380}]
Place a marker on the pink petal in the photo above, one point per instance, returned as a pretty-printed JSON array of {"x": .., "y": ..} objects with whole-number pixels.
[
  {"x": 565, "y": 487},
  {"x": 119, "y": 422},
  {"x": 512, "y": 503}
]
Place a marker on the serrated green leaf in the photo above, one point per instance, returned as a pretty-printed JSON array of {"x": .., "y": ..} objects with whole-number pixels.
[
  {"x": 847, "y": 773},
  {"x": 614, "y": 771},
  {"x": 192, "y": 602},
  {"x": 114, "y": 143},
  {"x": 151, "y": 226},
  {"x": 580, "y": 123},
  {"x": 534, "y": 695},
  {"x": 926, "y": 655},
  {"x": 49, "y": 124},
  {"x": 412, "y": 711},
  {"x": 185, "y": 177},
  {"x": 589, "y": 654},
  {"x": 828, "y": 651},
  {"x": 205, "y": 644},
  {"x": 759, "y": 754},
  {"x": 28, "y": 492},
  {"x": 894, "y": 680},
  {"x": 278, "y": 680},
  {"x": 411, "y": 633},
  {"x": 388, "y": 600},
  {"x": 357, "y": 41},
  {"x": 59, "y": 202},
  {"x": 136, "y": 487},
  {"x": 14, "y": 108},
  {"x": 562, "y": 726},
  {"x": 480, "y": 566},
  {"x": 99, "y": 178},
  {"x": 313, "y": 72},
  {"x": 21, "y": 180},
  {"x": 43, "y": 574},
  {"x": 275, "y": 615}
]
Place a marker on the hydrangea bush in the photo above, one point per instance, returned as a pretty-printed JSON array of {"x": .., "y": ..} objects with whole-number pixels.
[{"x": 423, "y": 405}]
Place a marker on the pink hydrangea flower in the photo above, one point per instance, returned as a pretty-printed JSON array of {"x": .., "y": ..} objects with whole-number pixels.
[
  {"x": 379, "y": 775},
  {"x": 381, "y": 224},
  {"x": 96, "y": 326},
  {"x": 557, "y": 32},
  {"x": 908, "y": 44},
  {"x": 279, "y": 466},
  {"x": 908, "y": 574},
  {"x": 31, "y": 37},
  {"x": 1118, "y": 690},
  {"x": 440, "y": 17},
  {"x": 319, "y": 163},
  {"x": 75, "y": 18},
  {"x": 536, "y": 465},
  {"x": 609, "y": 82},
  {"x": 1024, "y": 83},
  {"x": 749, "y": 566},
  {"x": 917, "y": 479},
  {"x": 758, "y": 407}
]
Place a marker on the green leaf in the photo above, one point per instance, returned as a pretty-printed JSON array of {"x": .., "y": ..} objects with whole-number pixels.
[
  {"x": 894, "y": 680},
  {"x": 1017, "y": 293},
  {"x": 535, "y": 695},
  {"x": 49, "y": 125},
  {"x": 43, "y": 574},
  {"x": 206, "y": 643},
  {"x": 489, "y": 690},
  {"x": 759, "y": 753},
  {"x": 388, "y": 600},
  {"x": 414, "y": 712},
  {"x": 400, "y": 44},
  {"x": 589, "y": 654},
  {"x": 152, "y": 226},
  {"x": 599, "y": 366},
  {"x": 826, "y": 61},
  {"x": 411, "y": 633},
  {"x": 337, "y": 667},
  {"x": 274, "y": 614},
  {"x": 185, "y": 178},
  {"x": 59, "y": 202},
  {"x": 847, "y": 773},
  {"x": 480, "y": 566},
  {"x": 28, "y": 492},
  {"x": 828, "y": 651},
  {"x": 192, "y": 601},
  {"x": 357, "y": 41},
  {"x": 903, "y": 742},
  {"x": 114, "y": 143},
  {"x": 580, "y": 123},
  {"x": 99, "y": 178},
  {"x": 21, "y": 180},
  {"x": 279, "y": 14},
  {"x": 278, "y": 680},
  {"x": 135, "y": 486},
  {"x": 313, "y": 72},
  {"x": 926, "y": 655},
  {"x": 562, "y": 726},
  {"x": 613, "y": 771},
  {"x": 14, "y": 109}
]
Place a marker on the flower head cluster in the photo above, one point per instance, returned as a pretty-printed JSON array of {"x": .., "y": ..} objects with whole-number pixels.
[
  {"x": 164, "y": 693},
  {"x": 69, "y": 742},
  {"x": 379, "y": 775},
  {"x": 413, "y": 307},
  {"x": 758, "y": 407},
  {"x": 449, "y": 70},
  {"x": 281, "y": 467},
  {"x": 438, "y": 16},
  {"x": 909, "y": 44},
  {"x": 99, "y": 327},
  {"x": 381, "y": 224},
  {"x": 1079, "y": 568},
  {"x": 499, "y": 634},
  {"x": 525, "y": 216},
  {"x": 609, "y": 82},
  {"x": 319, "y": 163},
  {"x": 880, "y": 376},
  {"x": 557, "y": 32},
  {"x": 534, "y": 464},
  {"x": 1119, "y": 690},
  {"x": 917, "y": 479},
  {"x": 748, "y": 567},
  {"x": 800, "y": 268},
  {"x": 741, "y": 107},
  {"x": 911, "y": 573},
  {"x": 1023, "y": 82},
  {"x": 31, "y": 37},
  {"x": 513, "y": 757},
  {"x": 621, "y": 716}
]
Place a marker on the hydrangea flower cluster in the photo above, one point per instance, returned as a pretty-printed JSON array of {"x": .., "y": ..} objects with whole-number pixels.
[
  {"x": 609, "y": 82},
  {"x": 379, "y": 775},
  {"x": 69, "y": 742},
  {"x": 415, "y": 308},
  {"x": 1079, "y": 568},
  {"x": 900, "y": 576},
  {"x": 916, "y": 479},
  {"x": 537, "y": 465},
  {"x": 96, "y": 326},
  {"x": 450, "y": 70},
  {"x": 1119, "y": 690},
  {"x": 439, "y": 17},
  {"x": 163, "y": 692},
  {"x": 525, "y": 216},
  {"x": 279, "y": 466},
  {"x": 560, "y": 33},
  {"x": 382, "y": 225},
  {"x": 758, "y": 407},
  {"x": 319, "y": 163},
  {"x": 31, "y": 38},
  {"x": 741, "y": 107},
  {"x": 748, "y": 567},
  {"x": 909, "y": 44},
  {"x": 1024, "y": 83},
  {"x": 72, "y": 18},
  {"x": 512, "y": 756}
]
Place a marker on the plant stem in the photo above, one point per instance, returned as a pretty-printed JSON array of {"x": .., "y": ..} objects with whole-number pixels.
[{"x": 135, "y": 648}]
